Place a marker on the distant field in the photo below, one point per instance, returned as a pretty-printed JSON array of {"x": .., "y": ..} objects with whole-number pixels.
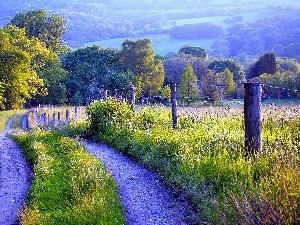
[{"x": 161, "y": 43}]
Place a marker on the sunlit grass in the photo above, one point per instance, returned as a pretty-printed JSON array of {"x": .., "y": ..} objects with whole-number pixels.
[{"x": 205, "y": 159}]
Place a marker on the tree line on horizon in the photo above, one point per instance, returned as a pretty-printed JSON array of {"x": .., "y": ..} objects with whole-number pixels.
[{"x": 36, "y": 68}]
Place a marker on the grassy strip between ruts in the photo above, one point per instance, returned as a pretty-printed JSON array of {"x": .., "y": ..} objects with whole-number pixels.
[{"x": 70, "y": 186}]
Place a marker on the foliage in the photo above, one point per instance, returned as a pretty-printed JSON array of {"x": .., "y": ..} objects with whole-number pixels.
[
  {"x": 38, "y": 24},
  {"x": 89, "y": 70},
  {"x": 103, "y": 115},
  {"x": 174, "y": 67},
  {"x": 53, "y": 76},
  {"x": 205, "y": 159},
  {"x": 226, "y": 78},
  {"x": 139, "y": 58},
  {"x": 70, "y": 186},
  {"x": 219, "y": 65},
  {"x": 188, "y": 87},
  {"x": 194, "y": 51},
  {"x": 19, "y": 59},
  {"x": 211, "y": 88},
  {"x": 166, "y": 92},
  {"x": 265, "y": 64},
  {"x": 278, "y": 85},
  {"x": 196, "y": 31}
]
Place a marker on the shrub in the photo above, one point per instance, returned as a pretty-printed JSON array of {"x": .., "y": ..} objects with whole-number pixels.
[{"x": 103, "y": 115}]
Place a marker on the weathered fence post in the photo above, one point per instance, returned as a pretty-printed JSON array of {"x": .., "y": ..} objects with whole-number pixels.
[
  {"x": 58, "y": 117},
  {"x": 174, "y": 105},
  {"x": 76, "y": 111},
  {"x": 253, "y": 118},
  {"x": 54, "y": 118},
  {"x": 67, "y": 115},
  {"x": 132, "y": 97},
  {"x": 45, "y": 118}
]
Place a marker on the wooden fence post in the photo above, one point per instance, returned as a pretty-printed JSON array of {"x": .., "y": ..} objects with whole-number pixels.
[
  {"x": 58, "y": 117},
  {"x": 253, "y": 118},
  {"x": 45, "y": 118},
  {"x": 54, "y": 118},
  {"x": 67, "y": 115},
  {"x": 76, "y": 111},
  {"x": 174, "y": 105},
  {"x": 132, "y": 97}
]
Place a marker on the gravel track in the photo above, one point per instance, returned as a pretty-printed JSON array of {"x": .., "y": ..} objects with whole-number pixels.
[
  {"x": 146, "y": 201},
  {"x": 14, "y": 179}
]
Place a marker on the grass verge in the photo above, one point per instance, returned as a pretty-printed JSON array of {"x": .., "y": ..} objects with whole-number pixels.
[
  {"x": 6, "y": 115},
  {"x": 70, "y": 186}
]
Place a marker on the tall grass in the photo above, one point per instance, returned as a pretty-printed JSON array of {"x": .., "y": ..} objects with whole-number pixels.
[
  {"x": 70, "y": 186},
  {"x": 205, "y": 159}
]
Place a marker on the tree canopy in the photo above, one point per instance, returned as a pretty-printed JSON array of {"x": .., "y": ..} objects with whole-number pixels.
[
  {"x": 265, "y": 64},
  {"x": 188, "y": 87},
  {"x": 138, "y": 57},
  {"x": 20, "y": 58},
  {"x": 49, "y": 29}
]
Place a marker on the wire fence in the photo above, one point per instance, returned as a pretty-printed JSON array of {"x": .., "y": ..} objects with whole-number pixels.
[{"x": 250, "y": 110}]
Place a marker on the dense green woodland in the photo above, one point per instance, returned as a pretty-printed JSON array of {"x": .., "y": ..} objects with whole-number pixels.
[{"x": 38, "y": 68}]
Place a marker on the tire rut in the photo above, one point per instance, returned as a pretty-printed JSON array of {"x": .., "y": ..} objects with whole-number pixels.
[
  {"x": 145, "y": 200},
  {"x": 15, "y": 179}
]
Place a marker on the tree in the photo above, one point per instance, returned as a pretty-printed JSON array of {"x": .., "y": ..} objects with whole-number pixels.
[
  {"x": 138, "y": 57},
  {"x": 48, "y": 29},
  {"x": 174, "y": 67},
  {"x": 265, "y": 64},
  {"x": 278, "y": 85},
  {"x": 194, "y": 51},
  {"x": 91, "y": 69},
  {"x": 53, "y": 76},
  {"x": 226, "y": 78},
  {"x": 188, "y": 87},
  {"x": 20, "y": 58},
  {"x": 210, "y": 88},
  {"x": 219, "y": 65}
]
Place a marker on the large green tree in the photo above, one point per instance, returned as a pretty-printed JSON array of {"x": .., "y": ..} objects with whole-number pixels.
[
  {"x": 20, "y": 58},
  {"x": 92, "y": 69},
  {"x": 49, "y": 29},
  {"x": 174, "y": 67},
  {"x": 194, "y": 51},
  {"x": 265, "y": 64},
  {"x": 211, "y": 88},
  {"x": 188, "y": 87},
  {"x": 226, "y": 79},
  {"x": 138, "y": 57},
  {"x": 53, "y": 76}
]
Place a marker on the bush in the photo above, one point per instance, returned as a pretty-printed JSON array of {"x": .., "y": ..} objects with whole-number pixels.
[{"x": 103, "y": 115}]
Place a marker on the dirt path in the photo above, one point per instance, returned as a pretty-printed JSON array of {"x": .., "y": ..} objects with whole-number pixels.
[
  {"x": 14, "y": 179},
  {"x": 146, "y": 201}
]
